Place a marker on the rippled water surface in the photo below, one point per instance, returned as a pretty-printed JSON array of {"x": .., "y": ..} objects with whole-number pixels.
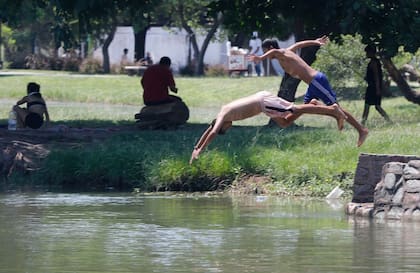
[{"x": 190, "y": 233}]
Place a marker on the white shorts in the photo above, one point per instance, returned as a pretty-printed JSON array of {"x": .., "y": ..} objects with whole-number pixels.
[{"x": 274, "y": 106}]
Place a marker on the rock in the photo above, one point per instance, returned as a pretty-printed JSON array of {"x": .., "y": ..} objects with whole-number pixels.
[
  {"x": 164, "y": 116},
  {"x": 412, "y": 186},
  {"x": 411, "y": 200},
  {"x": 389, "y": 181},
  {"x": 411, "y": 173},
  {"x": 395, "y": 213},
  {"x": 414, "y": 164},
  {"x": 393, "y": 167},
  {"x": 397, "y": 199}
]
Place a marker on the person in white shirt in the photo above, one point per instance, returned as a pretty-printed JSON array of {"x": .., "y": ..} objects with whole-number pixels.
[{"x": 255, "y": 45}]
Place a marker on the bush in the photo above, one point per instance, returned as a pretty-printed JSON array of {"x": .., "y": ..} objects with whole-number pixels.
[
  {"x": 187, "y": 70},
  {"x": 91, "y": 66},
  {"x": 344, "y": 63},
  {"x": 34, "y": 61},
  {"x": 71, "y": 64},
  {"x": 216, "y": 71}
]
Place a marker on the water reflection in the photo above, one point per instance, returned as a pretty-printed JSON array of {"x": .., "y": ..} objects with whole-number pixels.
[{"x": 196, "y": 233}]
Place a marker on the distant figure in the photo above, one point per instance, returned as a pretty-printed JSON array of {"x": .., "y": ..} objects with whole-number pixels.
[
  {"x": 33, "y": 115},
  {"x": 255, "y": 46},
  {"x": 163, "y": 109},
  {"x": 124, "y": 58},
  {"x": 147, "y": 60},
  {"x": 373, "y": 95},
  {"x": 61, "y": 51}
]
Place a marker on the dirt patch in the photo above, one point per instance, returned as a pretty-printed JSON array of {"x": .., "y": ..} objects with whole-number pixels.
[{"x": 251, "y": 184}]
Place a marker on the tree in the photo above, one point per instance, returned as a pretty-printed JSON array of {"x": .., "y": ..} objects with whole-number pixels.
[
  {"x": 279, "y": 18},
  {"x": 387, "y": 23},
  {"x": 7, "y": 13},
  {"x": 33, "y": 22},
  {"x": 195, "y": 17},
  {"x": 100, "y": 18}
]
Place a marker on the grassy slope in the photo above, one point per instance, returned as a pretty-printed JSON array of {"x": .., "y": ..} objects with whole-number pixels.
[{"x": 315, "y": 157}]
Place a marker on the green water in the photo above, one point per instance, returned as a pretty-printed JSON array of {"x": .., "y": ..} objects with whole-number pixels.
[{"x": 178, "y": 233}]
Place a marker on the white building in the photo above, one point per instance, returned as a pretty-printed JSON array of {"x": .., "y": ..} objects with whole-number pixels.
[
  {"x": 123, "y": 38},
  {"x": 175, "y": 44}
]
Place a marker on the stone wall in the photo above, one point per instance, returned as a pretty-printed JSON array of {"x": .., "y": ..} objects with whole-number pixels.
[
  {"x": 369, "y": 173},
  {"x": 387, "y": 187},
  {"x": 398, "y": 192}
]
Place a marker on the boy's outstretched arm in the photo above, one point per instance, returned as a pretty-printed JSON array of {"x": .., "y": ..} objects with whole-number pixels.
[
  {"x": 269, "y": 54},
  {"x": 204, "y": 140},
  {"x": 317, "y": 42}
]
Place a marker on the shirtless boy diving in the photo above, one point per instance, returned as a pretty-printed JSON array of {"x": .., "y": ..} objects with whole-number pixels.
[
  {"x": 318, "y": 85},
  {"x": 281, "y": 111}
]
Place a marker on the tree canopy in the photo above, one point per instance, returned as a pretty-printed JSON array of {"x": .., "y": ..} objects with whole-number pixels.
[{"x": 388, "y": 24}]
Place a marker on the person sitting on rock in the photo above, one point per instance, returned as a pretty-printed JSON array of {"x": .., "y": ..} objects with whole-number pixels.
[
  {"x": 156, "y": 81},
  {"x": 160, "y": 106}
]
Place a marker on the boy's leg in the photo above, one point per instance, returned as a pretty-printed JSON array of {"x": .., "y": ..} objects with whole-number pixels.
[
  {"x": 382, "y": 112},
  {"x": 333, "y": 110},
  {"x": 21, "y": 114},
  {"x": 365, "y": 113},
  {"x": 320, "y": 88},
  {"x": 363, "y": 131}
]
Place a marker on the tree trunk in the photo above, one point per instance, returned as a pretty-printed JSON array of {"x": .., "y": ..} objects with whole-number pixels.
[
  {"x": 198, "y": 60},
  {"x": 105, "y": 53},
  {"x": 402, "y": 84},
  {"x": 139, "y": 42},
  {"x": 199, "y": 69},
  {"x": 1, "y": 47}
]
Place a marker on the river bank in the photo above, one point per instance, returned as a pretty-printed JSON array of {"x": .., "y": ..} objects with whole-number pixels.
[
  {"x": 95, "y": 146},
  {"x": 24, "y": 152}
]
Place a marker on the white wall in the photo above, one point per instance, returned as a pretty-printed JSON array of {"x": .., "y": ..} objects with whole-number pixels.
[
  {"x": 123, "y": 38},
  {"x": 174, "y": 43}
]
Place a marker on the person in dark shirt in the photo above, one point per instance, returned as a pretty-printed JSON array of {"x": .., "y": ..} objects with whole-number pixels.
[
  {"x": 33, "y": 115},
  {"x": 157, "y": 80},
  {"x": 373, "y": 95}
]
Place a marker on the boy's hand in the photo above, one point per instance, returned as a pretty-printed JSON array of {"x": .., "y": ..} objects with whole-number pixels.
[
  {"x": 323, "y": 40},
  {"x": 254, "y": 58},
  {"x": 195, "y": 154}
]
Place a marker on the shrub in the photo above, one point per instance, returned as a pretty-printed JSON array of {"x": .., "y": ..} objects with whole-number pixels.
[
  {"x": 344, "y": 63},
  {"x": 187, "y": 70},
  {"x": 216, "y": 71},
  {"x": 91, "y": 66},
  {"x": 34, "y": 61},
  {"x": 71, "y": 64}
]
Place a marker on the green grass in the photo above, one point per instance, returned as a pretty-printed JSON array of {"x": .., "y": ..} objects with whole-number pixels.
[{"x": 310, "y": 159}]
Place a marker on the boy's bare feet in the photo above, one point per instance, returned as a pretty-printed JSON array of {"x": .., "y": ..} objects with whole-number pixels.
[
  {"x": 340, "y": 116},
  {"x": 363, "y": 133},
  {"x": 314, "y": 102}
]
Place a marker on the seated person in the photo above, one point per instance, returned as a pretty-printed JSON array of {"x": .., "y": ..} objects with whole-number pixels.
[
  {"x": 147, "y": 60},
  {"x": 156, "y": 81},
  {"x": 33, "y": 115},
  {"x": 161, "y": 107}
]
